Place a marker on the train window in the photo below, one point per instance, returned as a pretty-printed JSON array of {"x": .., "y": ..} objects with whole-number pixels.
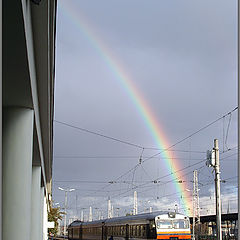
[
  {"x": 70, "y": 233},
  {"x": 133, "y": 230},
  {"x": 124, "y": 231},
  {"x": 75, "y": 232},
  {"x": 181, "y": 223},
  {"x": 164, "y": 224},
  {"x": 141, "y": 231},
  {"x": 137, "y": 231},
  {"x": 144, "y": 231}
]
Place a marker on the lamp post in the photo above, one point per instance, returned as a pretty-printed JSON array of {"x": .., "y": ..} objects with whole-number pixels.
[{"x": 65, "y": 206}]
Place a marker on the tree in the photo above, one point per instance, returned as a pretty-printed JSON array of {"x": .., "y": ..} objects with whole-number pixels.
[{"x": 53, "y": 216}]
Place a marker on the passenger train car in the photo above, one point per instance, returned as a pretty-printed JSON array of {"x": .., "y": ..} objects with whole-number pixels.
[{"x": 158, "y": 225}]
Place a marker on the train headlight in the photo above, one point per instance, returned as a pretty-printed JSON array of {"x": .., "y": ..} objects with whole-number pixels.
[{"x": 172, "y": 214}]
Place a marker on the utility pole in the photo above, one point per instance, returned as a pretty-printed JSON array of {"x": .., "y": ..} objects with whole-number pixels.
[
  {"x": 196, "y": 208},
  {"x": 217, "y": 189},
  {"x": 76, "y": 206},
  {"x": 118, "y": 211},
  {"x": 82, "y": 216},
  {"x": 150, "y": 209},
  {"x": 135, "y": 206},
  {"x": 213, "y": 161},
  {"x": 109, "y": 208},
  {"x": 176, "y": 208},
  {"x": 99, "y": 214},
  {"x": 65, "y": 215},
  {"x": 112, "y": 215},
  {"x": 90, "y": 215}
]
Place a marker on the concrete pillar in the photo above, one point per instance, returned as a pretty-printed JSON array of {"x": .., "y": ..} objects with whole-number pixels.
[
  {"x": 36, "y": 203},
  {"x": 17, "y": 172}
]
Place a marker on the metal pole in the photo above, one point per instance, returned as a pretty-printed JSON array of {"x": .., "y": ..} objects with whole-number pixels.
[
  {"x": 217, "y": 189},
  {"x": 109, "y": 208},
  {"x": 82, "y": 216},
  {"x": 65, "y": 217},
  {"x": 76, "y": 206},
  {"x": 194, "y": 208}
]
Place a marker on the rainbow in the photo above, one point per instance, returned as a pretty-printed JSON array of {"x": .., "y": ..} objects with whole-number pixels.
[{"x": 135, "y": 95}]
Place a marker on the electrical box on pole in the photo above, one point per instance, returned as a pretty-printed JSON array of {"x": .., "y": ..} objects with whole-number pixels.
[{"x": 210, "y": 158}]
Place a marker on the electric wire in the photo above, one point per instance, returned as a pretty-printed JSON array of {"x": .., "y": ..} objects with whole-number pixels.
[
  {"x": 138, "y": 146},
  {"x": 99, "y": 134}
]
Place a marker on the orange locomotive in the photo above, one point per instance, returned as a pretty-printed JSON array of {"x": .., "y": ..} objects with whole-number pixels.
[{"x": 172, "y": 226}]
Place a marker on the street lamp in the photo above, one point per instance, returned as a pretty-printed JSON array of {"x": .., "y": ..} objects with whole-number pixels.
[{"x": 65, "y": 206}]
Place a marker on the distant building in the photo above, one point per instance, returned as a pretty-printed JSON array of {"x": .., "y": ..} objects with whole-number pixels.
[{"x": 28, "y": 55}]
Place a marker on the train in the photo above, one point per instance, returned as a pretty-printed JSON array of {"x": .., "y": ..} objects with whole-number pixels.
[{"x": 155, "y": 225}]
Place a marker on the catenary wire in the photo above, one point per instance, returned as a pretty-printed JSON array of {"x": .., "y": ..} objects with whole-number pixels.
[{"x": 201, "y": 129}]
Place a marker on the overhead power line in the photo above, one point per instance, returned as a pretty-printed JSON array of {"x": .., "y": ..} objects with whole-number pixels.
[
  {"x": 141, "y": 147},
  {"x": 122, "y": 157},
  {"x": 144, "y": 184},
  {"x": 119, "y": 140},
  {"x": 191, "y": 135},
  {"x": 99, "y": 134}
]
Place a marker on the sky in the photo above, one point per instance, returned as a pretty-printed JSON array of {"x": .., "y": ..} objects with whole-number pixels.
[{"x": 180, "y": 57}]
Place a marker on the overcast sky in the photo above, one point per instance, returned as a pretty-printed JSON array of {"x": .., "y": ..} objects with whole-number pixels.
[{"x": 181, "y": 55}]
